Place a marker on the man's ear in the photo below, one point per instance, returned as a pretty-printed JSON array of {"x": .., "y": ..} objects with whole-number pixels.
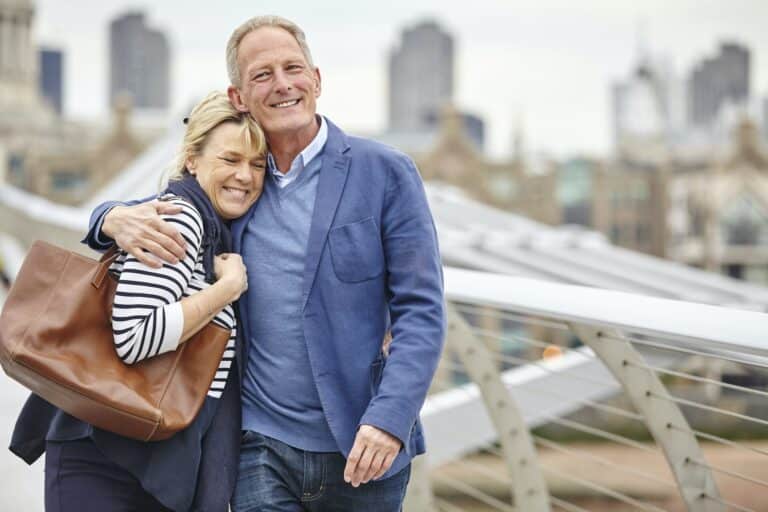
[
  {"x": 235, "y": 99},
  {"x": 318, "y": 82}
]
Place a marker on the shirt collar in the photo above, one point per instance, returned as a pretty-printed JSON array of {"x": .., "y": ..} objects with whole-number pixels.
[{"x": 307, "y": 154}]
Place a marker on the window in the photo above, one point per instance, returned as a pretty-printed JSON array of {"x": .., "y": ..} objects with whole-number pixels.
[{"x": 745, "y": 222}]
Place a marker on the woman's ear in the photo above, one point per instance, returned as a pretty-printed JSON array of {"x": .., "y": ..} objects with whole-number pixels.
[{"x": 191, "y": 164}]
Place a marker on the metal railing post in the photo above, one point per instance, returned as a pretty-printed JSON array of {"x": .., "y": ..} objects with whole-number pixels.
[
  {"x": 642, "y": 387},
  {"x": 529, "y": 489}
]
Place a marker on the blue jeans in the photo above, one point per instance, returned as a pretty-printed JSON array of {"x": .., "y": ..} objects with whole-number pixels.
[{"x": 275, "y": 477}]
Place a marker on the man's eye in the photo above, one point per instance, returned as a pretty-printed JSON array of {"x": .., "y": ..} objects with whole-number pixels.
[
  {"x": 229, "y": 160},
  {"x": 294, "y": 67},
  {"x": 260, "y": 77}
]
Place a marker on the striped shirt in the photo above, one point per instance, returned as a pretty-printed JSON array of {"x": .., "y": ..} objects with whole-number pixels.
[{"x": 147, "y": 319}]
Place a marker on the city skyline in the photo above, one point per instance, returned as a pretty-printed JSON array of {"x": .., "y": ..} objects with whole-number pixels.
[{"x": 546, "y": 66}]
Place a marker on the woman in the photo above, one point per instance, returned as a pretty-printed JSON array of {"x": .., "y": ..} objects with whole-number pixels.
[{"x": 219, "y": 176}]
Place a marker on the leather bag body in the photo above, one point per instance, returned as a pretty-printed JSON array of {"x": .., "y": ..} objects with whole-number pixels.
[{"x": 56, "y": 339}]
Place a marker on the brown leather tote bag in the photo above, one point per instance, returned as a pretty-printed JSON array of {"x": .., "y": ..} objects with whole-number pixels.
[{"x": 56, "y": 339}]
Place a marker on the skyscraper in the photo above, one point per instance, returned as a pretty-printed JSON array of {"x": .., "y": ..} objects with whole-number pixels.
[
  {"x": 420, "y": 77},
  {"x": 51, "y": 76},
  {"x": 139, "y": 62},
  {"x": 716, "y": 81}
]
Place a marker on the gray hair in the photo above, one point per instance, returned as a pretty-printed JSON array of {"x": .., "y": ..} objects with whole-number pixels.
[{"x": 255, "y": 23}]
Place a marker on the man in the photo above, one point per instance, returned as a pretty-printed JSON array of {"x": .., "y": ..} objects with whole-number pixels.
[{"x": 340, "y": 248}]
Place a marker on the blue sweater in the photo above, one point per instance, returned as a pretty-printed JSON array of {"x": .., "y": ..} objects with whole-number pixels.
[{"x": 280, "y": 399}]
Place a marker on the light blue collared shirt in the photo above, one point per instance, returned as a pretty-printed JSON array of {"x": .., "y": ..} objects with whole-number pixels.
[{"x": 303, "y": 158}]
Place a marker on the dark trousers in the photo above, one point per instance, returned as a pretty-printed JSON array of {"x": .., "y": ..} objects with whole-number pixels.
[
  {"x": 275, "y": 477},
  {"x": 78, "y": 478}
]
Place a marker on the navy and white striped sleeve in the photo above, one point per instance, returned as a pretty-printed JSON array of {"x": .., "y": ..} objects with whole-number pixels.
[{"x": 147, "y": 319}]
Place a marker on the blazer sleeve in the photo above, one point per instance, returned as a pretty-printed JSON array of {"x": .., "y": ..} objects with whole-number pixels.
[
  {"x": 415, "y": 301},
  {"x": 94, "y": 238}
]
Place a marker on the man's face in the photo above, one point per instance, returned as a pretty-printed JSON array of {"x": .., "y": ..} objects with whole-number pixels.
[{"x": 277, "y": 85}]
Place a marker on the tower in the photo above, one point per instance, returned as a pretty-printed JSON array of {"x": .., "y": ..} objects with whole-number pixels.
[
  {"x": 420, "y": 77},
  {"x": 20, "y": 103},
  {"x": 139, "y": 62}
]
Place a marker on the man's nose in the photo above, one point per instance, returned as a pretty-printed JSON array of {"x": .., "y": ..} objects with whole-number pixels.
[{"x": 282, "y": 81}]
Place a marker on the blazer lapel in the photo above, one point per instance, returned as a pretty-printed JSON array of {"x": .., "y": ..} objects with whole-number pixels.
[{"x": 333, "y": 176}]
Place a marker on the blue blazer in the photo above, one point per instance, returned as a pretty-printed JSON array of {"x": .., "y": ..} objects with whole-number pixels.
[{"x": 372, "y": 264}]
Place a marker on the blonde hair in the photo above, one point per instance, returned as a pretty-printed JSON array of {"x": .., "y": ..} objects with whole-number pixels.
[
  {"x": 255, "y": 23},
  {"x": 212, "y": 111}
]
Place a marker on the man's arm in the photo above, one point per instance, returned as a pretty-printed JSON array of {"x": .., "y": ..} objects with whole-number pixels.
[
  {"x": 417, "y": 312},
  {"x": 138, "y": 228}
]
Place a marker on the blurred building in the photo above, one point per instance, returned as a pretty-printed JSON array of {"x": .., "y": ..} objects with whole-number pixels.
[
  {"x": 39, "y": 151},
  {"x": 421, "y": 84},
  {"x": 648, "y": 111},
  {"x": 21, "y": 107},
  {"x": 657, "y": 116},
  {"x": 575, "y": 183},
  {"x": 710, "y": 213},
  {"x": 717, "y": 213},
  {"x": 718, "y": 81},
  {"x": 139, "y": 63},
  {"x": 421, "y": 71},
  {"x": 52, "y": 76},
  {"x": 454, "y": 158}
]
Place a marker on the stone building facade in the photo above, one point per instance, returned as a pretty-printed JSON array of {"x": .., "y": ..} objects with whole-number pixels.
[{"x": 39, "y": 151}]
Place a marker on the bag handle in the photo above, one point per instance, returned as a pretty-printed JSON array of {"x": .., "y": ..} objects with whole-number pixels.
[{"x": 106, "y": 260}]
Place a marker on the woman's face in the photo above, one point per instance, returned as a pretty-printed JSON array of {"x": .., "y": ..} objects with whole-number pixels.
[{"x": 230, "y": 173}]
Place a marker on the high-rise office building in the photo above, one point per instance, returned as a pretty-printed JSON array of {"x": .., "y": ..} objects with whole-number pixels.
[
  {"x": 51, "y": 77},
  {"x": 716, "y": 81},
  {"x": 139, "y": 62},
  {"x": 420, "y": 77}
]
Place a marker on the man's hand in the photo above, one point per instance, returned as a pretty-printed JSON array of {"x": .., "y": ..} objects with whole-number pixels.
[
  {"x": 140, "y": 231},
  {"x": 371, "y": 456}
]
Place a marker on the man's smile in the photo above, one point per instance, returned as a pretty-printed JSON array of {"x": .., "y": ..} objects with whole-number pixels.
[{"x": 287, "y": 103}]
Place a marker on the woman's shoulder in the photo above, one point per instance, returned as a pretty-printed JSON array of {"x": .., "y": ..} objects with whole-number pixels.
[{"x": 189, "y": 215}]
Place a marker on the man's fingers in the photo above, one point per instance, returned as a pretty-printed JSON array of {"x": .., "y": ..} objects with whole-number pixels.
[
  {"x": 145, "y": 258},
  {"x": 166, "y": 207},
  {"x": 353, "y": 459},
  {"x": 158, "y": 251},
  {"x": 166, "y": 235},
  {"x": 374, "y": 467},
  {"x": 386, "y": 463},
  {"x": 358, "y": 476},
  {"x": 172, "y": 239}
]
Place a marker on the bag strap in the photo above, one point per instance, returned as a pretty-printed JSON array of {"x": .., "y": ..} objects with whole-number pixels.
[{"x": 106, "y": 260}]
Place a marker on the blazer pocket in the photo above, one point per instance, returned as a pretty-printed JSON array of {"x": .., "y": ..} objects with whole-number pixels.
[{"x": 356, "y": 251}]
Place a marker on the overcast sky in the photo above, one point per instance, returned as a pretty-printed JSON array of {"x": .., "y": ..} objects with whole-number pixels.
[{"x": 548, "y": 63}]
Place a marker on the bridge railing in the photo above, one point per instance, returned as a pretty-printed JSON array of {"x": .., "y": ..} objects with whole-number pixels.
[{"x": 557, "y": 397}]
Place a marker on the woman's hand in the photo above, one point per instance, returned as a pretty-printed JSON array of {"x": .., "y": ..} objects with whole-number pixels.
[{"x": 231, "y": 272}]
